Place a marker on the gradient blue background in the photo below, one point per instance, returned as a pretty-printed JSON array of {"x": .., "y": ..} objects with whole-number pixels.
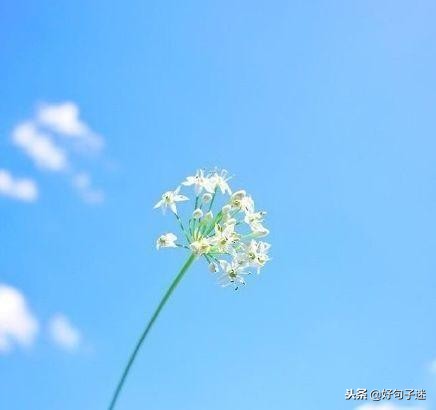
[{"x": 324, "y": 111}]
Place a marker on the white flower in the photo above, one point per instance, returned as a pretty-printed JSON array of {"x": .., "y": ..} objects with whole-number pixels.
[
  {"x": 169, "y": 199},
  {"x": 207, "y": 197},
  {"x": 200, "y": 182},
  {"x": 254, "y": 218},
  {"x": 208, "y": 216},
  {"x": 237, "y": 199},
  {"x": 247, "y": 204},
  {"x": 233, "y": 273},
  {"x": 167, "y": 240},
  {"x": 226, "y": 209},
  {"x": 230, "y": 221},
  {"x": 197, "y": 214},
  {"x": 240, "y": 258},
  {"x": 224, "y": 237},
  {"x": 254, "y": 221},
  {"x": 254, "y": 254},
  {"x": 259, "y": 230},
  {"x": 200, "y": 247},
  {"x": 220, "y": 181},
  {"x": 229, "y": 231},
  {"x": 227, "y": 216}
]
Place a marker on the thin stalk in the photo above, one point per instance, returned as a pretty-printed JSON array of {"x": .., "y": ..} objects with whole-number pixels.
[
  {"x": 213, "y": 199},
  {"x": 181, "y": 226},
  {"x": 190, "y": 227},
  {"x": 180, "y": 245},
  {"x": 191, "y": 223},
  {"x": 141, "y": 339}
]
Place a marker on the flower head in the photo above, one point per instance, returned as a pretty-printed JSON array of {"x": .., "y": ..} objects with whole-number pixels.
[{"x": 223, "y": 231}]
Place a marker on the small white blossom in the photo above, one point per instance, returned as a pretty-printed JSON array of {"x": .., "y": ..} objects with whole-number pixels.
[
  {"x": 254, "y": 218},
  {"x": 254, "y": 254},
  {"x": 169, "y": 200},
  {"x": 220, "y": 181},
  {"x": 247, "y": 204},
  {"x": 254, "y": 221},
  {"x": 200, "y": 182},
  {"x": 237, "y": 199},
  {"x": 167, "y": 240},
  {"x": 197, "y": 214},
  {"x": 226, "y": 209},
  {"x": 233, "y": 274},
  {"x": 207, "y": 197},
  {"x": 224, "y": 237},
  {"x": 208, "y": 216},
  {"x": 259, "y": 230},
  {"x": 230, "y": 221}
]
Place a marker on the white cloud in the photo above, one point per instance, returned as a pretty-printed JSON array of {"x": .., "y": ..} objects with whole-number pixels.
[
  {"x": 64, "y": 119},
  {"x": 17, "y": 323},
  {"x": 22, "y": 189},
  {"x": 40, "y": 147},
  {"x": 82, "y": 182},
  {"x": 64, "y": 333},
  {"x": 388, "y": 406},
  {"x": 43, "y": 138}
]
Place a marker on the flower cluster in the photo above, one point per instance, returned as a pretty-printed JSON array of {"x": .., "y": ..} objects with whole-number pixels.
[{"x": 224, "y": 227}]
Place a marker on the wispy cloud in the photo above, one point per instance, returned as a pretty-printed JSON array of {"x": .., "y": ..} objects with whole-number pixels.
[
  {"x": 64, "y": 119},
  {"x": 19, "y": 326},
  {"x": 82, "y": 182},
  {"x": 17, "y": 323},
  {"x": 63, "y": 333},
  {"x": 22, "y": 189},
  {"x": 44, "y": 139},
  {"x": 388, "y": 406},
  {"x": 39, "y": 147}
]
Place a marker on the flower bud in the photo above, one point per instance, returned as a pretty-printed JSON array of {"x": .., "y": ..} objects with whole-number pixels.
[
  {"x": 261, "y": 231},
  {"x": 208, "y": 216},
  {"x": 207, "y": 197},
  {"x": 238, "y": 199},
  {"x": 230, "y": 221},
  {"x": 238, "y": 195},
  {"x": 197, "y": 214},
  {"x": 226, "y": 209}
]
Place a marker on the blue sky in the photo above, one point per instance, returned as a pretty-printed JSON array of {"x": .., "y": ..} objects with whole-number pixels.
[{"x": 324, "y": 111}]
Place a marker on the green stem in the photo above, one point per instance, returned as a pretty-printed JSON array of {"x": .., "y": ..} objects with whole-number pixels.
[
  {"x": 193, "y": 220},
  {"x": 213, "y": 199},
  {"x": 181, "y": 226},
  {"x": 162, "y": 303}
]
